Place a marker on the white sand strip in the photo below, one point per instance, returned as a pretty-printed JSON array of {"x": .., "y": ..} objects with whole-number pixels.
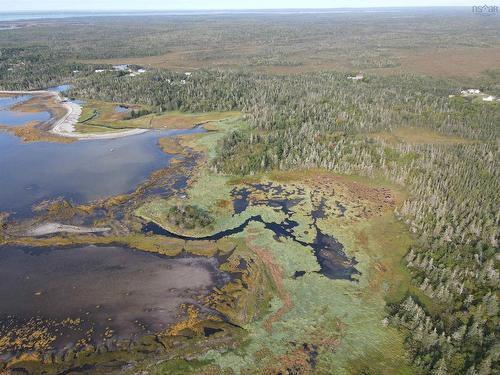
[
  {"x": 65, "y": 126},
  {"x": 52, "y": 228}
]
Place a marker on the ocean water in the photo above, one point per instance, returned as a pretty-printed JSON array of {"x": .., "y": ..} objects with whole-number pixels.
[
  {"x": 81, "y": 171},
  {"x": 34, "y": 15}
]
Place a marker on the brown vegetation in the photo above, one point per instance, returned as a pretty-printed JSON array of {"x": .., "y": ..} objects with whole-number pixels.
[{"x": 277, "y": 275}]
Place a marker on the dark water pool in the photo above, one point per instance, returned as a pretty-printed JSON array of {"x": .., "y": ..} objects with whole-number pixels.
[
  {"x": 334, "y": 262},
  {"x": 109, "y": 288}
]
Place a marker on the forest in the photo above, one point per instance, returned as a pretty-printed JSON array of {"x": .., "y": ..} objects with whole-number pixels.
[{"x": 322, "y": 119}]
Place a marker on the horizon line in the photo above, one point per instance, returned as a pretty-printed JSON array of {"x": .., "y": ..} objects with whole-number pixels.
[{"x": 232, "y": 9}]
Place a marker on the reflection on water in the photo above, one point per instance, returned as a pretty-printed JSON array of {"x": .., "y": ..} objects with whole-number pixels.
[
  {"x": 7, "y": 101},
  {"x": 121, "y": 109},
  {"x": 117, "y": 288},
  {"x": 81, "y": 171},
  {"x": 60, "y": 88}
]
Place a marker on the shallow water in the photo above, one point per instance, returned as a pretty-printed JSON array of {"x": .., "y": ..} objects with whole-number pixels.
[
  {"x": 8, "y": 101},
  {"x": 17, "y": 118},
  {"x": 9, "y": 117},
  {"x": 60, "y": 88},
  {"x": 121, "y": 109},
  {"x": 81, "y": 171},
  {"x": 130, "y": 292}
]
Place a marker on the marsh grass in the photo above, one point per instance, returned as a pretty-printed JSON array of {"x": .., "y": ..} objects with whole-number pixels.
[{"x": 344, "y": 319}]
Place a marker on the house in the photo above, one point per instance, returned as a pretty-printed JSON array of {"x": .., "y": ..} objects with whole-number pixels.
[
  {"x": 100, "y": 70},
  {"x": 121, "y": 67},
  {"x": 489, "y": 98},
  {"x": 357, "y": 77},
  {"x": 188, "y": 74},
  {"x": 140, "y": 71},
  {"x": 470, "y": 92}
]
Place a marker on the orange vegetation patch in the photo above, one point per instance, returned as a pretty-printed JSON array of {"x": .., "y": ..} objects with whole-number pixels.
[
  {"x": 381, "y": 196},
  {"x": 175, "y": 121},
  {"x": 224, "y": 203},
  {"x": 277, "y": 275},
  {"x": 30, "y": 133},
  {"x": 171, "y": 145},
  {"x": 301, "y": 358},
  {"x": 179, "y": 120},
  {"x": 364, "y": 196},
  {"x": 191, "y": 322},
  {"x": 294, "y": 362}
]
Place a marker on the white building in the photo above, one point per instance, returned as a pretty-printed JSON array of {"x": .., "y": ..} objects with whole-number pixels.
[
  {"x": 470, "y": 92},
  {"x": 357, "y": 77}
]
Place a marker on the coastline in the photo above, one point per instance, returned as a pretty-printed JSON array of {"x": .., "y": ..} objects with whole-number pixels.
[{"x": 65, "y": 126}]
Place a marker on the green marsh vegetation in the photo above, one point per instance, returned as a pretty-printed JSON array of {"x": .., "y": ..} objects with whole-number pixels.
[{"x": 344, "y": 323}]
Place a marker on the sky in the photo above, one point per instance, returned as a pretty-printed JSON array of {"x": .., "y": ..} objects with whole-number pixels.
[{"x": 13, "y": 5}]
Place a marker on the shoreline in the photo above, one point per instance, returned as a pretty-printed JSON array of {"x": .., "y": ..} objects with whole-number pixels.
[{"x": 65, "y": 126}]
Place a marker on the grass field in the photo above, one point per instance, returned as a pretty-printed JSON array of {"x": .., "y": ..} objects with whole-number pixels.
[{"x": 100, "y": 116}]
